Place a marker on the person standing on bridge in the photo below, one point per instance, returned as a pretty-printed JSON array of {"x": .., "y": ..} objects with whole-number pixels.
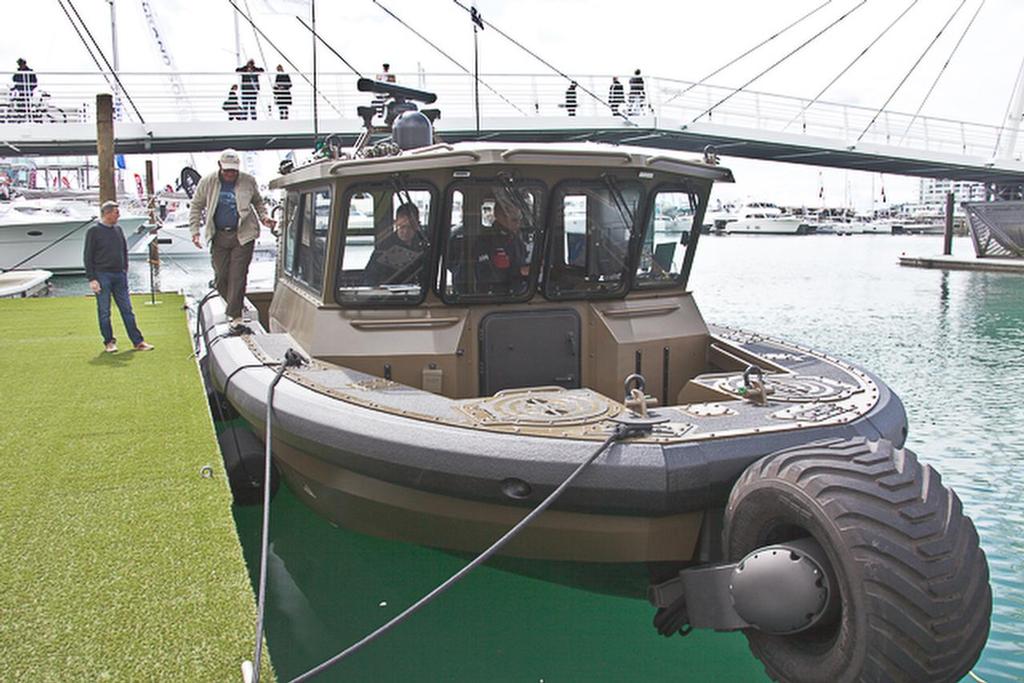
[
  {"x": 250, "y": 89},
  {"x": 229, "y": 205},
  {"x": 231, "y": 105},
  {"x": 637, "y": 93},
  {"x": 570, "y": 99},
  {"x": 25, "y": 83},
  {"x": 282, "y": 92},
  {"x": 616, "y": 96}
]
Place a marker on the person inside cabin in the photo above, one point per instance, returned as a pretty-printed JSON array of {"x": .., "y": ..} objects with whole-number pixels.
[
  {"x": 232, "y": 105},
  {"x": 106, "y": 267},
  {"x": 398, "y": 258},
  {"x": 228, "y": 204},
  {"x": 282, "y": 92},
  {"x": 502, "y": 258},
  {"x": 250, "y": 89}
]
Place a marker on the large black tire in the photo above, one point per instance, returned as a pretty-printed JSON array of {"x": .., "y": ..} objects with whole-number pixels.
[{"x": 915, "y": 601}]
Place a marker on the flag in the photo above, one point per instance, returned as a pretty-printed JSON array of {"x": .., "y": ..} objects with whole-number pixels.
[
  {"x": 476, "y": 17},
  {"x": 138, "y": 186},
  {"x": 189, "y": 179}
]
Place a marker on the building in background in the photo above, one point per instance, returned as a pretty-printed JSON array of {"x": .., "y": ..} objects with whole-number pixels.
[{"x": 932, "y": 193}]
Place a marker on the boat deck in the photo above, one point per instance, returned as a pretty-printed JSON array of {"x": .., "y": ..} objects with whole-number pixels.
[{"x": 120, "y": 561}]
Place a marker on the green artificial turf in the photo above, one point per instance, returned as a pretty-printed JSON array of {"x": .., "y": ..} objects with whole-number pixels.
[{"x": 118, "y": 561}]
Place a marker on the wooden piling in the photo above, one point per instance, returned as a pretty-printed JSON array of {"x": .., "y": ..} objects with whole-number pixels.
[
  {"x": 947, "y": 237},
  {"x": 105, "y": 146}
]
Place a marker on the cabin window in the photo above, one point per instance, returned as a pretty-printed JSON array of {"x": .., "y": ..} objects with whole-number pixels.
[
  {"x": 667, "y": 239},
  {"x": 292, "y": 224},
  {"x": 489, "y": 253},
  {"x": 592, "y": 227},
  {"x": 386, "y": 256},
  {"x": 305, "y": 244}
]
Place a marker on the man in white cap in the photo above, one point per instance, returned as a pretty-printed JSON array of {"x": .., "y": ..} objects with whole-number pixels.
[
  {"x": 233, "y": 211},
  {"x": 106, "y": 268}
]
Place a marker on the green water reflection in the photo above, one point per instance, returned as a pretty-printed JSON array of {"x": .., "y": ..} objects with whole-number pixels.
[{"x": 950, "y": 344}]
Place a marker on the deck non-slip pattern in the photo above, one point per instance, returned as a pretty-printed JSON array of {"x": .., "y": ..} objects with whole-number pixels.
[{"x": 120, "y": 561}]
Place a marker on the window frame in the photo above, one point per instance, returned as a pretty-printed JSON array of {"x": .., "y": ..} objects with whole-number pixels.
[
  {"x": 635, "y": 237},
  {"x": 444, "y": 226},
  {"x": 702, "y": 192},
  {"x": 289, "y": 269},
  {"x": 430, "y": 229}
]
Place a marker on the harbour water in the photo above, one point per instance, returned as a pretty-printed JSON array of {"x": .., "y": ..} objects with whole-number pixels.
[{"x": 951, "y": 344}]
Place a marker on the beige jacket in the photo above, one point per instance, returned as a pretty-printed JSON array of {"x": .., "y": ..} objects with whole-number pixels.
[{"x": 247, "y": 196}]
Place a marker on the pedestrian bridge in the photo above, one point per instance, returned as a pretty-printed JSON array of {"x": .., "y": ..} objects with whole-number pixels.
[{"x": 159, "y": 112}]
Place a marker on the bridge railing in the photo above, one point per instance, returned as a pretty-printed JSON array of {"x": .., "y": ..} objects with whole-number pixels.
[{"x": 200, "y": 97}]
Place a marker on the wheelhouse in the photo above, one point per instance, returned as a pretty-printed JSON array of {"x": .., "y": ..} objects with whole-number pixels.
[{"x": 471, "y": 268}]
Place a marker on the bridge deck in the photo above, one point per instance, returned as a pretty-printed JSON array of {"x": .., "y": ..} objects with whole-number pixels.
[{"x": 649, "y": 131}]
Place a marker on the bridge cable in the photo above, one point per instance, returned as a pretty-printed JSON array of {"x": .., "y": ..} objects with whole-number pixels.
[
  {"x": 941, "y": 71},
  {"x": 912, "y": 68},
  {"x": 546, "y": 63},
  {"x": 263, "y": 57},
  {"x": 448, "y": 57},
  {"x": 85, "y": 43},
  {"x": 99, "y": 50},
  {"x": 850, "y": 65},
  {"x": 753, "y": 49},
  {"x": 1006, "y": 115},
  {"x": 295, "y": 69},
  {"x": 780, "y": 61},
  {"x": 328, "y": 46}
]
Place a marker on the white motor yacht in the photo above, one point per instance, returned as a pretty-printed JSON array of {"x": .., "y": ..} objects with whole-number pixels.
[
  {"x": 764, "y": 218},
  {"x": 51, "y": 235}
]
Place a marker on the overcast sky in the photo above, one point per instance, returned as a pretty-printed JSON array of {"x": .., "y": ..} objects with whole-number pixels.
[{"x": 685, "y": 40}]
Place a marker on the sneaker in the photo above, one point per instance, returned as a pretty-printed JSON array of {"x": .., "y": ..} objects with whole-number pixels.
[
  {"x": 110, "y": 347},
  {"x": 143, "y": 346}
]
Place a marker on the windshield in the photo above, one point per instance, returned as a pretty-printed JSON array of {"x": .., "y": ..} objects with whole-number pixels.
[
  {"x": 592, "y": 229},
  {"x": 385, "y": 257},
  {"x": 493, "y": 229},
  {"x": 667, "y": 239}
]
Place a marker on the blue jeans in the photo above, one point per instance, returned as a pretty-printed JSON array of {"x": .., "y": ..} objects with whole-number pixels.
[{"x": 116, "y": 284}]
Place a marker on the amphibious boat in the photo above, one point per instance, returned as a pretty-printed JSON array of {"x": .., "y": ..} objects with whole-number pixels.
[{"x": 505, "y": 309}]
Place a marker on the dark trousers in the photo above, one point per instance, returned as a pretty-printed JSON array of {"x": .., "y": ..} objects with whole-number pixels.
[
  {"x": 115, "y": 284},
  {"x": 249, "y": 105},
  {"x": 231, "y": 269}
]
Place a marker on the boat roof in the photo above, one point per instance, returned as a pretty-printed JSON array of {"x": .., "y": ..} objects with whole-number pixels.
[{"x": 468, "y": 154}]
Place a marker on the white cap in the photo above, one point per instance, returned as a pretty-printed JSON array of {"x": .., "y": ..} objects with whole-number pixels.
[{"x": 229, "y": 160}]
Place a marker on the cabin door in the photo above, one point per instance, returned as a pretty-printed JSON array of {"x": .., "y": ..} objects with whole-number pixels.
[{"x": 529, "y": 349}]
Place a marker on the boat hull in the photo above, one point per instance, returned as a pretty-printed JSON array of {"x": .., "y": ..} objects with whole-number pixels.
[
  {"x": 394, "y": 471},
  {"x": 766, "y": 226}
]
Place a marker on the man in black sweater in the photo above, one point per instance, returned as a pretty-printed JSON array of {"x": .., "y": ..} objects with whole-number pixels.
[{"x": 106, "y": 267}]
